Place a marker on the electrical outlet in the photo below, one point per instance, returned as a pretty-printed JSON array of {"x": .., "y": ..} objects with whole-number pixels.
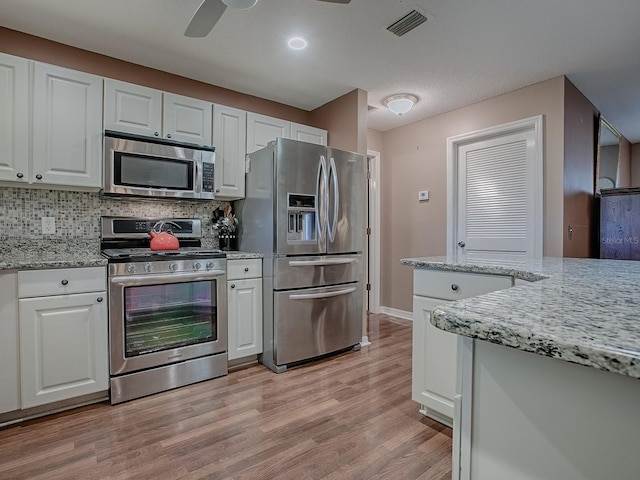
[
  {"x": 423, "y": 195},
  {"x": 48, "y": 225}
]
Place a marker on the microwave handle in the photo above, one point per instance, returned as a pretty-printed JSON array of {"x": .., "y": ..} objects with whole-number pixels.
[{"x": 197, "y": 176}]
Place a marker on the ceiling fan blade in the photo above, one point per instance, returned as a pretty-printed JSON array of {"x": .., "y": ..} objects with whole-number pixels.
[
  {"x": 337, "y": 1},
  {"x": 205, "y": 18}
]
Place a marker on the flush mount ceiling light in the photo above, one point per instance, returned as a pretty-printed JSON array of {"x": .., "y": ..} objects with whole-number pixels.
[
  {"x": 297, "y": 43},
  {"x": 240, "y": 4},
  {"x": 401, "y": 103}
]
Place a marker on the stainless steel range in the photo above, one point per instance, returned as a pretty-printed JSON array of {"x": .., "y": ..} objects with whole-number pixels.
[{"x": 167, "y": 308}]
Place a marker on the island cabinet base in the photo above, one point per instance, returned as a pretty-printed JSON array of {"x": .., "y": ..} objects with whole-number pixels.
[{"x": 525, "y": 416}]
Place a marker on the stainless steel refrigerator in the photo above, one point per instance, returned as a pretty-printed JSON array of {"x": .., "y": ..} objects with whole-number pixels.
[{"x": 305, "y": 210}]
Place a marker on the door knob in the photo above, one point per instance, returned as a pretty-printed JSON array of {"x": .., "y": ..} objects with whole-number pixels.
[{"x": 461, "y": 243}]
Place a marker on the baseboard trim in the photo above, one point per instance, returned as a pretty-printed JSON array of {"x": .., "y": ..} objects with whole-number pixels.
[{"x": 394, "y": 312}]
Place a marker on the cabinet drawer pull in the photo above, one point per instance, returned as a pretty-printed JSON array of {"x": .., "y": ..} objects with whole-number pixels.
[
  {"x": 233, "y": 285},
  {"x": 39, "y": 177},
  {"x": 455, "y": 287},
  {"x": 19, "y": 175},
  {"x": 65, "y": 282},
  {"x": 99, "y": 299},
  {"x": 246, "y": 269}
]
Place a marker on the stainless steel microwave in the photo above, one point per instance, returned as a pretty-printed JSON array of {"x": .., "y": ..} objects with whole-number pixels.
[{"x": 150, "y": 167}]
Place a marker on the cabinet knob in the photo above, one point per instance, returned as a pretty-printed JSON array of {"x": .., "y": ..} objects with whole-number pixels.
[
  {"x": 65, "y": 282},
  {"x": 246, "y": 269},
  {"x": 157, "y": 134},
  {"x": 455, "y": 287},
  {"x": 39, "y": 177},
  {"x": 461, "y": 243},
  {"x": 168, "y": 135},
  {"x": 233, "y": 285},
  {"x": 99, "y": 299},
  {"x": 217, "y": 190},
  {"x": 19, "y": 175}
]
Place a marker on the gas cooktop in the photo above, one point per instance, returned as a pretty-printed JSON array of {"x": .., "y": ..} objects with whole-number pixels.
[{"x": 128, "y": 254}]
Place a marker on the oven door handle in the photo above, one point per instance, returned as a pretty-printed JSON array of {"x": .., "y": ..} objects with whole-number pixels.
[
  {"x": 312, "y": 296},
  {"x": 169, "y": 278}
]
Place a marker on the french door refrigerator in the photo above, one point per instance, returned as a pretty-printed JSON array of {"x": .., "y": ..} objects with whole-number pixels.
[{"x": 305, "y": 210}]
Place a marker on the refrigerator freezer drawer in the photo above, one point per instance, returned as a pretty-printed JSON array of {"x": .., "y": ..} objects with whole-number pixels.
[
  {"x": 316, "y": 321},
  {"x": 301, "y": 272}
]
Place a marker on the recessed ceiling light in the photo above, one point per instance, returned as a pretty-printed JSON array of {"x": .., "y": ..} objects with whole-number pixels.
[{"x": 297, "y": 43}]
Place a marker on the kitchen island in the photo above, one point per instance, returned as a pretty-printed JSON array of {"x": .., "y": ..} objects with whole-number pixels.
[{"x": 548, "y": 380}]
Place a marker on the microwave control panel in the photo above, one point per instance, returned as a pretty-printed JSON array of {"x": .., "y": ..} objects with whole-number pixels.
[{"x": 207, "y": 177}]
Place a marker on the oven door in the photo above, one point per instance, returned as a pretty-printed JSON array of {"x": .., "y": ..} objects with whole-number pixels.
[{"x": 157, "y": 320}]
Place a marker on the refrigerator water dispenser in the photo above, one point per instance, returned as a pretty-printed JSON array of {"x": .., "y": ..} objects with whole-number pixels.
[{"x": 301, "y": 217}]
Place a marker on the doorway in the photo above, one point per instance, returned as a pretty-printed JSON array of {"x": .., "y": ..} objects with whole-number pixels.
[
  {"x": 495, "y": 191},
  {"x": 372, "y": 263}
]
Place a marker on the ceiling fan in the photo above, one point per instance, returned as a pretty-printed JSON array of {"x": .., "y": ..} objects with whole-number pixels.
[{"x": 210, "y": 12}]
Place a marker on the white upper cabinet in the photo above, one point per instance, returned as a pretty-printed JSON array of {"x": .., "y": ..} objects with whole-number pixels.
[
  {"x": 229, "y": 138},
  {"x": 146, "y": 111},
  {"x": 262, "y": 129},
  {"x": 132, "y": 108},
  {"x": 67, "y": 127},
  {"x": 305, "y": 133},
  {"x": 14, "y": 118},
  {"x": 186, "y": 119}
]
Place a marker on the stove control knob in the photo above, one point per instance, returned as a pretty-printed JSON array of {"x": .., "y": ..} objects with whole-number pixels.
[
  {"x": 148, "y": 267},
  {"x": 173, "y": 267},
  {"x": 131, "y": 268},
  {"x": 196, "y": 265},
  {"x": 209, "y": 265}
]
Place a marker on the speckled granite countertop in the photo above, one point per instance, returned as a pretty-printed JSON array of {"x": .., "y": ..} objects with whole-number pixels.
[
  {"x": 242, "y": 255},
  {"x": 18, "y": 254},
  {"x": 579, "y": 310},
  {"x": 55, "y": 253}
]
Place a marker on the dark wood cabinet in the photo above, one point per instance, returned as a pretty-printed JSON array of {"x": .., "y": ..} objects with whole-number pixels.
[{"x": 620, "y": 223}]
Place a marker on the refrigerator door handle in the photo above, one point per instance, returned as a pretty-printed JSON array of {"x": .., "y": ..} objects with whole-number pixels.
[
  {"x": 316, "y": 263},
  {"x": 333, "y": 178},
  {"x": 321, "y": 188},
  {"x": 311, "y": 296}
]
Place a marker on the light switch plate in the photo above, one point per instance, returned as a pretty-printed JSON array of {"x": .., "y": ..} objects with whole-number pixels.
[{"x": 423, "y": 195}]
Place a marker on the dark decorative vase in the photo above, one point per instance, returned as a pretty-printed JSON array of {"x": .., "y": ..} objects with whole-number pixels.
[{"x": 228, "y": 242}]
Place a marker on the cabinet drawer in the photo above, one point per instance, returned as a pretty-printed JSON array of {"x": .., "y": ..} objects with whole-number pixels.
[
  {"x": 456, "y": 285},
  {"x": 246, "y": 268},
  {"x": 61, "y": 281}
]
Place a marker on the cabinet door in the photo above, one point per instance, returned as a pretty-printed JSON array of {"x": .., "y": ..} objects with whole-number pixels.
[
  {"x": 67, "y": 127},
  {"x": 229, "y": 138},
  {"x": 245, "y": 317},
  {"x": 14, "y": 118},
  {"x": 63, "y": 347},
  {"x": 186, "y": 119},
  {"x": 262, "y": 129},
  {"x": 434, "y": 362},
  {"x": 9, "y": 361},
  {"x": 132, "y": 108},
  {"x": 305, "y": 133}
]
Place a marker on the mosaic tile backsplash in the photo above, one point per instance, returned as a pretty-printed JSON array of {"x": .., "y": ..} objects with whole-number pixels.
[{"x": 78, "y": 214}]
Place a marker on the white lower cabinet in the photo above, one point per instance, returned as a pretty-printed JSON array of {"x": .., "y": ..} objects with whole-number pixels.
[
  {"x": 63, "y": 337},
  {"x": 9, "y": 359},
  {"x": 244, "y": 286},
  {"x": 435, "y": 357}
]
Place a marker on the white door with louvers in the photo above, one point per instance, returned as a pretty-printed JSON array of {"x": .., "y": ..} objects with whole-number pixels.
[{"x": 497, "y": 197}]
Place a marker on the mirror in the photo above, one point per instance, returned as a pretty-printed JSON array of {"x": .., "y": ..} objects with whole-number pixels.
[{"x": 608, "y": 156}]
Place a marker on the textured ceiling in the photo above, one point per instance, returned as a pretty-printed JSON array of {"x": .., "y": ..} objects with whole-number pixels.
[{"x": 467, "y": 51}]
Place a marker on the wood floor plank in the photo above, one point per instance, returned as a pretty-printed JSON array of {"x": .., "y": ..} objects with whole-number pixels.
[{"x": 346, "y": 417}]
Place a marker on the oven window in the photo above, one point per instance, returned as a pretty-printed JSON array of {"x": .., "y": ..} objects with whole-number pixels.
[{"x": 161, "y": 317}]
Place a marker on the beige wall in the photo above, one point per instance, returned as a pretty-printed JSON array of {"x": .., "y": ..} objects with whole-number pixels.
[
  {"x": 346, "y": 120},
  {"x": 635, "y": 164},
  {"x": 580, "y": 126},
  {"x": 415, "y": 159}
]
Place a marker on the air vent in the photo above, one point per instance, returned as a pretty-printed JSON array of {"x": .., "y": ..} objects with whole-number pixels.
[{"x": 407, "y": 23}]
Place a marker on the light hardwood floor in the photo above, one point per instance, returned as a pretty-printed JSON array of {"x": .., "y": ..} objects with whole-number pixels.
[{"x": 348, "y": 417}]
